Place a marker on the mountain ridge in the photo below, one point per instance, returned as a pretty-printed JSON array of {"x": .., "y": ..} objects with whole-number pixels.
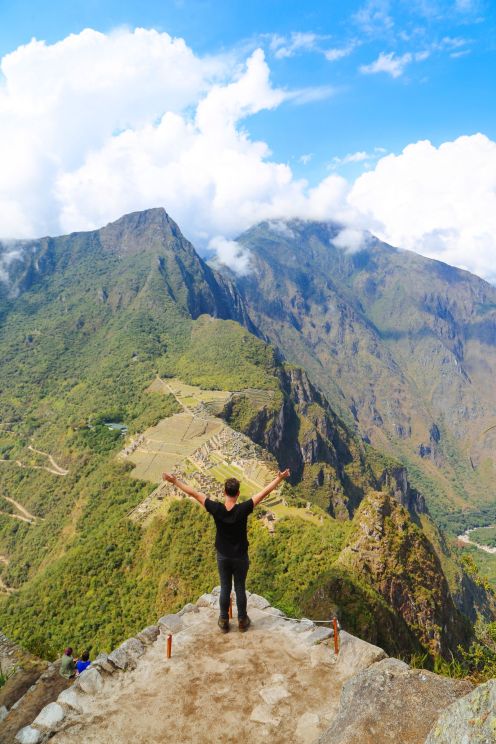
[{"x": 79, "y": 349}]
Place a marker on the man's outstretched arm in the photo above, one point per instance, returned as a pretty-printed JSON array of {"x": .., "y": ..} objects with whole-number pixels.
[
  {"x": 200, "y": 497},
  {"x": 268, "y": 489}
]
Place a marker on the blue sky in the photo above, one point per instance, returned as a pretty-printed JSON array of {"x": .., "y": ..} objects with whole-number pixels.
[
  {"x": 452, "y": 92},
  {"x": 360, "y": 80}
]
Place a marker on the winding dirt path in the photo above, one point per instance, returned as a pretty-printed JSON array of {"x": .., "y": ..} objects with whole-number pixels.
[
  {"x": 57, "y": 469},
  {"x": 21, "y": 509}
]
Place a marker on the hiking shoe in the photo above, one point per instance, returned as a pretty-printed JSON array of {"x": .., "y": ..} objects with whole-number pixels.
[
  {"x": 223, "y": 624},
  {"x": 244, "y": 624}
]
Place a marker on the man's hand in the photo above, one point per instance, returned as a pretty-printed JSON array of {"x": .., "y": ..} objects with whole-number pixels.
[
  {"x": 200, "y": 497},
  {"x": 282, "y": 475}
]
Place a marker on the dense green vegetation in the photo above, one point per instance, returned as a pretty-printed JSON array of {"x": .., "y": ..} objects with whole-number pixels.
[{"x": 80, "y": 347}]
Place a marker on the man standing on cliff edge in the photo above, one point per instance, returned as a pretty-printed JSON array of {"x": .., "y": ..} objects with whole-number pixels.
[{"x": 231, "y": 541}]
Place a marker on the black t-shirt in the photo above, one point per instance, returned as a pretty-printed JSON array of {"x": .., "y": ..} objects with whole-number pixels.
[{"x": 231, "y": 540}]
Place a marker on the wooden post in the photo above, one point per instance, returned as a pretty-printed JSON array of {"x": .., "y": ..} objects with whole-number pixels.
[
  {"x": 336, "y": 636},
  {"x": 230, "y": 607},
  {"x": 169, "y": 646}
]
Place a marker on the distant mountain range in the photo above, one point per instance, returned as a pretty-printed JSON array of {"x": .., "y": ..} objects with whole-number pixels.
[
  {"x": 374, "y": 361},
  {"x": 402, "y": 346}
]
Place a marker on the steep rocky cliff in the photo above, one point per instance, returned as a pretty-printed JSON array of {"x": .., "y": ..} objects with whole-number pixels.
[{"x": 402, "y": 346}]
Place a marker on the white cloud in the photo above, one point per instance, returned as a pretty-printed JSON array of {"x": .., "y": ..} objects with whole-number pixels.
[
  {"x": 298, "y": 41},
  {"x": 438, "y": 201},
  {"x": 231, "y": 254},
  {"x": 392, "y": 64},
  {"x": 333, "y": 55},
  {"x": 351, "y": 240},
  {"x": 99, "y": 125},
  {"x": 374, "y": 17}
]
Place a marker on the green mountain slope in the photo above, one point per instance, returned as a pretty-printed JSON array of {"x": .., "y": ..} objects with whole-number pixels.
[
  {"x": 88, "y": 322},
  {"x": 402, "y": 346}
]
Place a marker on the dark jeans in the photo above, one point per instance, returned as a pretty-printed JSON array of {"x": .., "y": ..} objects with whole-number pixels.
[{"x": 230, "y": 568}]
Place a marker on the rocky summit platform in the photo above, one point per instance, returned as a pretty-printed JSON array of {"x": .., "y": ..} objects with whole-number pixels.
[{"x": 281, "y": 681}]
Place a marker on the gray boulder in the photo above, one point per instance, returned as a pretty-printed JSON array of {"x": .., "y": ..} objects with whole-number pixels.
[
  {"x": 121, "y": 659},
  {"x": 49, "y": 717},
  {"x": 148, "y": 635},
  {"x": 207, "y": 600},
  {"x": 188, "y": 608},
  {"x": 133, "y": 647},
  {"x": 471, "y": 720},
  {"x": 391, "y": 703},
  {"x": 260, "y": 603},
  {"x": 28, "y": 735},
  {"x": 71, "y": 698},
  {"x": 171, "y": 623},
  {"x": 90, "y": 681},
  {"x": 102, "y": 662}
]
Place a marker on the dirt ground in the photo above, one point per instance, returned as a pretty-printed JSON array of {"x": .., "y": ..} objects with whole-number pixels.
[{"x": 266, "y": 684}]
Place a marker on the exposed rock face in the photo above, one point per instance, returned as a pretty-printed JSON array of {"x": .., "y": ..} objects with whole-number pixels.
[
  {"x": 397, "y": 342},
  {"x": 175, "y": 269},
  {"x": 470, "y": 719},
  {"x": 397, "y": 559},
  {"x": 391, "y": 703}
]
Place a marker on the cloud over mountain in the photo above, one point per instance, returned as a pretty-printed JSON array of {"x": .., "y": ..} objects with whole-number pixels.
[{"x": 97, "y": 125}]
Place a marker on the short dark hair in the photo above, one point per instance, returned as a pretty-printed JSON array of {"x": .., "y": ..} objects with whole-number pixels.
[
  {"x": 231, "y": 486},
  {"x": 85, "y": 656}
]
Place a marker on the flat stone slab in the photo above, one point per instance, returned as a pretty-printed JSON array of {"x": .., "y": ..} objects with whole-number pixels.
[
  {"x": 263, "y": 714},
  {"x": 273, "y": 695},
  {"x": 50, "y": 716}
]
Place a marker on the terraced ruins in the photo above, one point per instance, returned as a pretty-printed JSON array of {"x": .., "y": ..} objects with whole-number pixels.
[{"x": 201, "y": 449}]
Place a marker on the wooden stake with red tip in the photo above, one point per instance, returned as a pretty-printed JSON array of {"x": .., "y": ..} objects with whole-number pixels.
[
  {"x": 169, "y": 646},
  {"x": 230, "y": 607}
]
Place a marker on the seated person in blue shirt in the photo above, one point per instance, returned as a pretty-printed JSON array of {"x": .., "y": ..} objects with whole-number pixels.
[{"x": 83, "y": 662}]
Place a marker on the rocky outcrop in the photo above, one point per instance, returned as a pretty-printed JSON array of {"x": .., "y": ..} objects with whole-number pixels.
[
  {"x": 388, "y": 549},
  {"x": 470, "y": 719},
  {"x": 299, "y": 690},
  {"x": 391, "y": 703}
]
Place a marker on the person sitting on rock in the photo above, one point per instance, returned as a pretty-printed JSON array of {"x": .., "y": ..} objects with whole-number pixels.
[
  {"x": 83, "y": 662},
  {"x": 231, "y": 541},
  {"x": 68, "y": 664}
]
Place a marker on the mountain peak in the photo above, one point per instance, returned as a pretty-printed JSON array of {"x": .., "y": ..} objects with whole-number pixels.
[{"x": 137, "y": 230}]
